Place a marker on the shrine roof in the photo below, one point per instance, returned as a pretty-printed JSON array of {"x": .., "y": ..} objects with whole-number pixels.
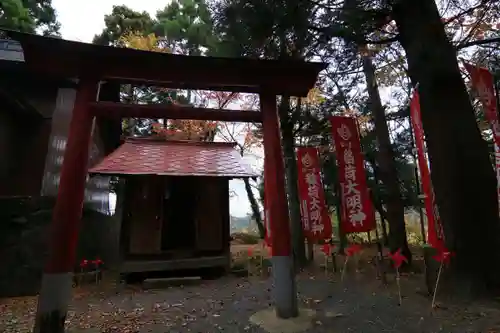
[
  {"x": 143, "y": 156},
  {"x": 54, "y": 56}
]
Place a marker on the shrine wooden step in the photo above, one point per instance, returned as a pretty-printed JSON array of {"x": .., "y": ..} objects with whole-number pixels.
[{"x": 170, "y": 282}]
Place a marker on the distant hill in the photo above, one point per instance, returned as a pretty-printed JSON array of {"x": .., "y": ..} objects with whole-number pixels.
[
  {"x": 243, "y": 224},
  {"x": 240, "y": 224}
]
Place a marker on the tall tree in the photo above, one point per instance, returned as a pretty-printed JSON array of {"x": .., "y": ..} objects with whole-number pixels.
[
  {"x": 456, "y": 148},
  {"x": 462, "y": 173},
  {"x": 187, "y": 26},
  {"x": 121, "y": 21},
  {"x": 387, "y": 170},
  {"x": 32, "y": 16},
  {"x": 276, "y": 30}
]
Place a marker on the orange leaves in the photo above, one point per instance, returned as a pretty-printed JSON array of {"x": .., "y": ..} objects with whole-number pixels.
[
  {"x": 136, "y": 40},
  {"x": 472, "y": 25},
  {"x": 199, "y": 130},
  {"x": 242, "y": 134},
  {"x": 250, "y": 139},
  {"x": 220, "y": 98},
  {"x": 314, "y": 97}
]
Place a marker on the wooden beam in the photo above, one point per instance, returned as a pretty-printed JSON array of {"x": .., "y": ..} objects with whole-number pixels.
[
  {"x": 159, "y": 111},
  {"x": 54, "y": 56}
]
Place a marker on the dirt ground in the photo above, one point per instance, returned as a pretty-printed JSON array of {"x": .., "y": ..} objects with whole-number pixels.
[{"x": 360, "y": 303}]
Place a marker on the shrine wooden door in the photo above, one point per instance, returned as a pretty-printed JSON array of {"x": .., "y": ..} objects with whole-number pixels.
[{"x": 146, "y": 215}]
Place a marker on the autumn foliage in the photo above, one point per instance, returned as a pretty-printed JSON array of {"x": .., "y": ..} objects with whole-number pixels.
[
  {"x": 139, "y": 41},
  {"x": 198, "y": 130}
]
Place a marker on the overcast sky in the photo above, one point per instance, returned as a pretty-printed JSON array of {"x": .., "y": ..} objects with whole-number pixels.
[{"x": 82, "y": 19}]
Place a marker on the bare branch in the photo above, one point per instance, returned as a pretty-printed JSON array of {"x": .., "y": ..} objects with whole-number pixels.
[{"x": 479, "y": 43}]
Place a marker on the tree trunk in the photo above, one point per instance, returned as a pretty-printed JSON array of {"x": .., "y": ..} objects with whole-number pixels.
[
  {"x": 462, "y": 174},
  {"x": 255, "y": 208},
  {"x": 380, "y": 209},
  {"x": 298, "y": 246},
  {"x": 387, "y": 170},
  {"x": 338, "y": 210},
  {"x": 377, "y": 203},
  {"x": 385, "y": 236}
]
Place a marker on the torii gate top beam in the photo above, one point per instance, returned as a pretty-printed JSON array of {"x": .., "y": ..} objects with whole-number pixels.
[{"x": 69, "y": 59}]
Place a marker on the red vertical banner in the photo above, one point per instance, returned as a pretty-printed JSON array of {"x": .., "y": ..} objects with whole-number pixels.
[
  {"x": 357, "y": 209},
  {"x": 316, "y": 222},
  {"x": 483, "y": 84},
  {"x": 434, "y": 226}
]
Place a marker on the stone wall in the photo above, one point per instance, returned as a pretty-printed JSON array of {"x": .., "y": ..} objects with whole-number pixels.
[{"x": 23, "y": 242}]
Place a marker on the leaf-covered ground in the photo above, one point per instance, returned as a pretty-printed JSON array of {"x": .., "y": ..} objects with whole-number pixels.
[{"x": 359, "y": 304}]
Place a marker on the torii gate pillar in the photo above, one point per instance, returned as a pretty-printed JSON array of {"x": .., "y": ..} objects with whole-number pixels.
[
  {"x": 285, "y": 293},
  {"x": 57, "y": 280}
]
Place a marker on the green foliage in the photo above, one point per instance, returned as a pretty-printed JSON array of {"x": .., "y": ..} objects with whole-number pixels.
[
  {"x": 122, "y": 20},
  {"x": 184, "y": 25},
  {"x": 187, "y": 26},
  {"x": 32, "y": 16},
  {"x": 16, "y": 16},
  {"x": 281, "y": 28}
]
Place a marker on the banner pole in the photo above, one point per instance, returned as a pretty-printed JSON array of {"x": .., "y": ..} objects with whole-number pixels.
[{"x": 417, "y": 182}]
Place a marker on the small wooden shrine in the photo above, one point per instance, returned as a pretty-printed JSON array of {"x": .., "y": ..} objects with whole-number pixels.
[{"x": 175, "y": 207}]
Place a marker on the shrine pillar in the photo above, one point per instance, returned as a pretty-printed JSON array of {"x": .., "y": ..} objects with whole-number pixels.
[
  {"x": 57, "y": 280},
  {"x": 284, "y": 292}
]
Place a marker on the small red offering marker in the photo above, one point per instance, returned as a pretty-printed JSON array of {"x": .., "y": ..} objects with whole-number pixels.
[
  {"x": 444, "y": 258},
  {"x": 351, "y": 251},
  {"x": 398, "y": 259}
]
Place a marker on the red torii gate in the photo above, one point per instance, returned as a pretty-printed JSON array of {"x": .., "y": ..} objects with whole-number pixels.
[{"x": 93, "y": 64}]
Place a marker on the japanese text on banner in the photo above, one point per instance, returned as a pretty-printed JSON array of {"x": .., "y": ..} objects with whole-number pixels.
[
  {"x": 357, "y": 209},
  {"x": 316, "y": 222}
]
